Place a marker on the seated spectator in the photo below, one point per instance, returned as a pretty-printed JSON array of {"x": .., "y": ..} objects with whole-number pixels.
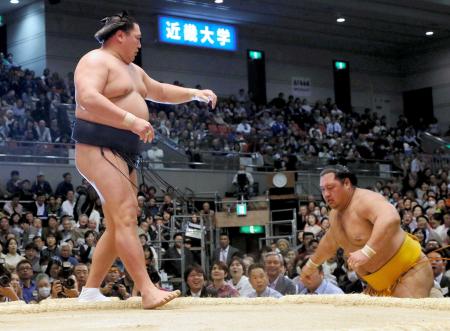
[
  {"x": 155, "y": 155},
  {"x": 238, "y": 279},
  {"x": 317, "y": 284},
  {"x": 13, "y": 206},
  {"x": 195, "y": 279},
  {"x": 81, "y": 272},
  {"x": 313, "y": 225},
  {"x": 52, "y": 228},
  {"x": 113, "y": 285},
  {"x": 67, "y": 207},
  {"x": 7, "y": 291},
  {"x": 51, "y": 250},
  {"x": 283, "y": 246},
  {"x": 41, "y": 185},
  {"x": 273, "y": 266},
  {"x": 65, "y": 286},
  {"x": 219, "y": 272},
  {"x": 12, "y": 257},
  {"x": 43, "y": 286},
  {"x": 13, "y": 184},
  {"x": 54, "y": 267},
  {"x": 28, "y": 286},
  {"x": 65, "y": 254},
  {"x": 64, "y": 186},
  {"x": 88, "y": 248},
  {"x": 31, "y": 255},
  {"x": 43, "y": 132},
  {"x": 260, "y": 283},
  {"x": 39, "y": 208},
  {"x": 174, "y": 267},
  {"x": 54, "y": 206},
  {"x": 439, "y": 265}
]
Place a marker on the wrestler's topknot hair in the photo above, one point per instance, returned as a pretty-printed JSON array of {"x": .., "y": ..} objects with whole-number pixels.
[
  {"x": 341, "y": 172},
  {"x": 111, "y": 24}
]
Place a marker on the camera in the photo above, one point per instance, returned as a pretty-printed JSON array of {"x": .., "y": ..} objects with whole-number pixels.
[
  {"x": 4, "y": 274},
  {"x": 4, "y": 281},
  {"x": 115, "y": 287},
  {"x": 64, "y": 276}
]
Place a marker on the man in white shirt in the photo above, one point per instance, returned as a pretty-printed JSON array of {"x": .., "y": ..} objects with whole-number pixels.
[
  {"x": 43, "y": 132},
  {"x": 317, "y": 284},
  {"x": 260, "y": 283},
  {"x": 244, "y": 127},
  {"x": 438, "y": 264},
  {"x": 444, "y": 228},
  {"x": 155, "y": 155},
  {"x": 68, "y": 204}
]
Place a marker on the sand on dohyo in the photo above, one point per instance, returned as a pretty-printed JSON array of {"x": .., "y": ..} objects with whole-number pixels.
[{"x": 344, "y": 312}]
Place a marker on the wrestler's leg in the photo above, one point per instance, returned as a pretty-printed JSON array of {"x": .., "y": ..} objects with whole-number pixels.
[
  {"x": 417, "y": 282},
  {"x": 117, "y": 192},
  {"x": 104, "y": 253}
]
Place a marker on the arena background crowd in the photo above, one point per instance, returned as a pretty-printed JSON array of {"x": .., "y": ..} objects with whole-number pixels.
[{"x": 48, "y": 232}]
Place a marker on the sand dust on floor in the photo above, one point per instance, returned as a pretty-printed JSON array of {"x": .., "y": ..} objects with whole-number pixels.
[{"x": 349, "y": 312}]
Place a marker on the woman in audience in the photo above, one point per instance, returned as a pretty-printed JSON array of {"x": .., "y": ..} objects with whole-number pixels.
[
  {"x": 219, "y": 272},
  {"x": 12, "y": 256},
  {"x": 238, "y": 279},
  {"x": 88, "y": 248},
  {"x": 312, "y": 225}
]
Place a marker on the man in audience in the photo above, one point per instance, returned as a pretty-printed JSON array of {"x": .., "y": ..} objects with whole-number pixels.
[
  {"x": 81, "y": 272},
  {"x": 260, "y": 283},
  {"x": 64, "y": 186},
  {"x": 41, "y": 185},
  {"x": 315, "y": 283},
  {"x": 25, "y": 272},
  {"x": 273, "y": 266},
  {"x": 439, "y": 264},
  {"x": 225, "y": 252},
  {"x": 31, "y": 255},
  {"x": 68, "y": 204}
]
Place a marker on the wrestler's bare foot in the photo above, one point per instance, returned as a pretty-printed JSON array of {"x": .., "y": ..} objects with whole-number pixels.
[{"x": 157, "y": 298}]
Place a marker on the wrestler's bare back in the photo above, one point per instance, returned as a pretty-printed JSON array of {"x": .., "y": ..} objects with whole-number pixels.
[
  {"x": 352, "y": 228},
  {"x": 124, "y": 85}
]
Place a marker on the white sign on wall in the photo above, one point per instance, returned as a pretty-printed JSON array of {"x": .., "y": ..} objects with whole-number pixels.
[{"x": 301, "y": 87}]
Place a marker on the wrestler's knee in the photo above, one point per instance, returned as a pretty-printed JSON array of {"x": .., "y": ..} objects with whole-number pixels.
[{"x": 126, "y": 215}]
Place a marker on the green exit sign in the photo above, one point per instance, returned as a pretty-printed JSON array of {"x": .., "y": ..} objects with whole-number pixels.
[
  {"x": 340, "y": 65},
  {"x": 448, "y": 146},
  {"x": 251, "y": 229},
  {"x": 255, "y": 55},
  {"x": 1, "y": 20}
]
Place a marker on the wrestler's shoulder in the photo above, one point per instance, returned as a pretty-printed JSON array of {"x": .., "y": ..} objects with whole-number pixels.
[
  {"x": 96, "y": 57},
  {"x": 367, "y": 195}
]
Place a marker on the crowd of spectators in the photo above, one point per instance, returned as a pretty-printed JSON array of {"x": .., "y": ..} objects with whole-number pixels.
[
  {"x": 47, "y": 237},
  {"x": 282, "y": 134},
  {"x": 29, "y": 104},
  {"x": 287, "y": 131},
  {"x": 47, "y": 242}
]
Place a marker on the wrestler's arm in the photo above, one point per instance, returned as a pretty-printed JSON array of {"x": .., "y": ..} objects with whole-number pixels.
[
  {"x": 167, "y": 93},
  {"x": 327, "y": 248},
  {"x": 91, "y": 76},
  {"x": 385, "y": 220}
]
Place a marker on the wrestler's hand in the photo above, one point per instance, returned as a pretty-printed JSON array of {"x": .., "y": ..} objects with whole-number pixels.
[
  {"x": 357, "y": 259},
  {"x": 143, "y": 129},
  {"x": 206, "y": 96},
  {"x": 307, "y": 271}
]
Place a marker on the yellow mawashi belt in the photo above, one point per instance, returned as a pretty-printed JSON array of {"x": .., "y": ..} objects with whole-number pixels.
[{"x": 406, "y": 257}]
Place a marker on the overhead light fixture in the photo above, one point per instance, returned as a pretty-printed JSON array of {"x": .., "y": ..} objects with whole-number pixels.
[
  {"x": 429, "y": 33},
  {"x": 340, "y": 20},
  {"x": 218, "y": 1},
  {"x": 14, "y": 2}
]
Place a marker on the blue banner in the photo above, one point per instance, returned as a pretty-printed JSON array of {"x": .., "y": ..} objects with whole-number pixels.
[{"x": 183, "y": 31}]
